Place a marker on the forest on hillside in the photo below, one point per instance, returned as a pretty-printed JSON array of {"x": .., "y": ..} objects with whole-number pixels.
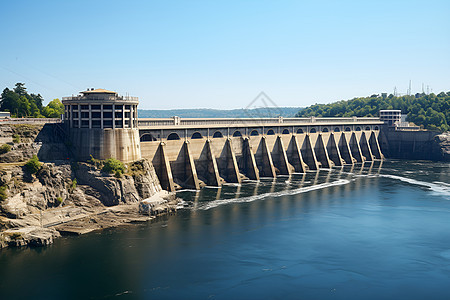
[
  {"x": 429, "y": 111},
  {"x": 256, "y": 112},
  {"x": 22, "y": 104}
]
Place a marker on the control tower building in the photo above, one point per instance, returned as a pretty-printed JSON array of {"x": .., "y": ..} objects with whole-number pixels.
[{"x": 103, "y": 124}]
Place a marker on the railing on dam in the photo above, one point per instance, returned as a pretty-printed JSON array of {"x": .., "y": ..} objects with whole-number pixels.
[
  {"x": 30, "y": 121},
  {"x": 208, "y": 122}
]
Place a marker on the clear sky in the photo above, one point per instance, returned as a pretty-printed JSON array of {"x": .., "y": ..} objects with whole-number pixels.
[{"x": 222, "y": 54}]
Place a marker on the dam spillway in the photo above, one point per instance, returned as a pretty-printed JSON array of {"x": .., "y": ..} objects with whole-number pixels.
[{"x": 191, "y": 153}]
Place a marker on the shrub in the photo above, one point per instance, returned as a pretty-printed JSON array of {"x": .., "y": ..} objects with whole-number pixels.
[
  {"x": 96, "y": 162},
  {"x": 112, "y": 165},
  {"x": 74, "y": 184},
  {"x": 118, "y": 174},
  {"x": 59, "y": 200},
  {"x": 5, "y": 148},
  {"x": 33, "y": 165},
  {"x": 16, "y": 138},
  {"x": 3, "y": 192}
]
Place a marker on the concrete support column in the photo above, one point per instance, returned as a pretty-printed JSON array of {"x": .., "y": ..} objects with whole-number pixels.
[
  {"x": 79, "y": 116},
  {"x": 250, "y": 167},
  {"x": 355, "y": 148},
  {"x": 308, "y": 154},
  {"x": 365, "y": 148},
  {"x": 231, "y": 170},
  {"x": 71, "y": 115},
  {"x": 123, "y": 115},
  {"x": 333, "y": 151},
  {"x": 267, "y": 167},
  {"x": 90, "y": 116},
  {"x": 214, "y": 178},
  {"x": 101, "y": 116},
  {"x": 321, "y": 152},
  {"x": 114, "y": 117},
  {"x": 296, "y": 158},
  {"x": 281, "y": 161},
  {"x": 191, "y": 179},
  {"x": 165, "y": 171},
  {"x": 344, "y": 148}
]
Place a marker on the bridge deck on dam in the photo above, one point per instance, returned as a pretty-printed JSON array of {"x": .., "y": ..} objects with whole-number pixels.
[{"x": 192, "y": 153}]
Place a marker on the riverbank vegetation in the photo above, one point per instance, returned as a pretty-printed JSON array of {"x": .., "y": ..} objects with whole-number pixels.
[
  {"x": 429, "y": 111},
  {"x": 22, "y": 104}
]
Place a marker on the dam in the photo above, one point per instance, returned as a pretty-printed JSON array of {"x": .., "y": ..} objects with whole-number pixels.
[{"x": 195, "y": 152}]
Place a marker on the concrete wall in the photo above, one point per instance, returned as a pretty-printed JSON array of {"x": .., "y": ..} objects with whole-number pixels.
[
  {"x": 193, "y": 163},
  {"x": 408, "y": 144},
  {"x": 122, "y": 144}
]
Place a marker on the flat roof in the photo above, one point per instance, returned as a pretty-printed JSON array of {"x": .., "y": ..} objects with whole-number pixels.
[{"x": 98, "y": 91}]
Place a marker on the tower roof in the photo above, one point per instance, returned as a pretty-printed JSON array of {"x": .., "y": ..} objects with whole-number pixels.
[{"x": 98, "y": 91}]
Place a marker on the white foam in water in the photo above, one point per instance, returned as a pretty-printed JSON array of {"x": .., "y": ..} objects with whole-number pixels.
[
  {"x": 188, "y": 190},
  {"x": 438, "y": 188},
  {"x": 216, "y": 203}
]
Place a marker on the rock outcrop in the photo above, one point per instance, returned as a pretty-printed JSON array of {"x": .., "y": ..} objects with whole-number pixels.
[
  {"x": 441, "y": 147},
  {"x": 64, "y": 196}
]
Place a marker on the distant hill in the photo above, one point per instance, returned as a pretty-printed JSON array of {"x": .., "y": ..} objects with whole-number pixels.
[
  {"x": 262, "y": 112},
  {"x": 430, "y": 111}
]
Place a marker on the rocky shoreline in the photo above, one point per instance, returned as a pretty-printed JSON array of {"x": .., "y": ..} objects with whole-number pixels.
[{"x": 67, "y": 197}]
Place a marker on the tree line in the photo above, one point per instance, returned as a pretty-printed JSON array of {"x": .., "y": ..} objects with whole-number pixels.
[
  {"x": 22, "y": 104},
  {"x": 428, "y": 111}
]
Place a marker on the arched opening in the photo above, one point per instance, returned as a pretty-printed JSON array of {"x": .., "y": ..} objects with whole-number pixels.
[
  {"x": 173, "y": 136},
  {"x": 237, "y": 133},
  {"x": 254, "y": 132},
  {"x": 196, "y": 135},
  {"x": 367, "y": 128},
  {"x": 217, "y": 134},
  {"x": 270, "y": 132},
  {"x": 358, "y": 128},
  {"x": 376, "y": 128},
  {"x": 285, "y": 131},
  {"x": 312, "y": 130},
  {"x": 336, "y": 129},
  {"x": 147, "y": 138},
  {"x": 347, "y": 129},
  {"x": 299, "y": 130},
  {"x": 325, "y": 130}
]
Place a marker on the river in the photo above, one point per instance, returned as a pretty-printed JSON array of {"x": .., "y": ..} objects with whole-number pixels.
[{"x": 375, "y": 231}]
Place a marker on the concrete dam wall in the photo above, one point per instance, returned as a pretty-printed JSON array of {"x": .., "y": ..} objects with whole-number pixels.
[
  {"x": 193, "y": 163},
  {"x": 412, "y": 145}
]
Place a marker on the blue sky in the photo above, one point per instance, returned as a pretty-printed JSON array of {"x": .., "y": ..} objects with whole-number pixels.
[{"x": 221, "y": 54}]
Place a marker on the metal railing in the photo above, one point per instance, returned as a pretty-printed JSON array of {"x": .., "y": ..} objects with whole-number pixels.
[
  {"x": 176, "y": 121},
  {"x": 104, "y": 98},
  {"x": 30, "y": 121}
]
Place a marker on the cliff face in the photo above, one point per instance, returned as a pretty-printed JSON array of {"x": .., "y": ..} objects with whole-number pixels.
[
  {"x": 441, "y": 147},
  {"x": 35, "y": 208}
]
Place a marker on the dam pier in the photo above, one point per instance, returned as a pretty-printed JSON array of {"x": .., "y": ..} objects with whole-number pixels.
[{"x": 195, "y": 152}]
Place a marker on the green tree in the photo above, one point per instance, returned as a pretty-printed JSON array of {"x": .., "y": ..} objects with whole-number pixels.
[
  {"x": 20, "y": 89},
  {"x": 430, "y": 111},
  {"x": 54, "y": 109}
]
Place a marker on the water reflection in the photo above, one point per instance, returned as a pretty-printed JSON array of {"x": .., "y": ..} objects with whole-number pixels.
[{"x": 345, "y": 233}]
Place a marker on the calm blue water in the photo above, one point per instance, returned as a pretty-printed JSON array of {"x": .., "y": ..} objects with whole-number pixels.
[{"x": 367, "y": 232}]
